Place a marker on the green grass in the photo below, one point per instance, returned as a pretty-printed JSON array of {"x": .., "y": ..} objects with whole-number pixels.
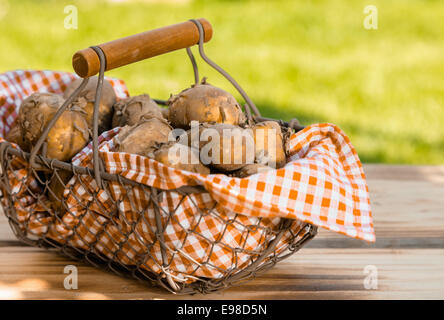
[{"x": 307, "y": 59}]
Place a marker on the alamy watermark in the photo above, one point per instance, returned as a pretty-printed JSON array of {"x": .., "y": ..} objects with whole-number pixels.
[
  {"x": 371, "y": 279},
  {"x": 371, "y": 19},
  {"x": 71, "y": 281},
  {"x": 72, "y": 17}
]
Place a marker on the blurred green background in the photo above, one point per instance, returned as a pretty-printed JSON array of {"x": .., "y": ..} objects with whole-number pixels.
[{"x": 313, "y": 60}]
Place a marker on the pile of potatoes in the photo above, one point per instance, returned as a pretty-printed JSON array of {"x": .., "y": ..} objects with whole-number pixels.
[
  {"x": 203, "y": 130},
  {"x": 73, "y": 130}
]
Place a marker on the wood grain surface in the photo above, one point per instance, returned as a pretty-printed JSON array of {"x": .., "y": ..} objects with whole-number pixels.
[{"x": 408, "y": 210}]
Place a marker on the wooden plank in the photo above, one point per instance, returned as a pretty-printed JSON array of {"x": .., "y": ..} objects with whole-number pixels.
[
  {"x": 324, "y": 241},
  {"x": 30, "y": 273},
  {"x": 404, "y": 172}
]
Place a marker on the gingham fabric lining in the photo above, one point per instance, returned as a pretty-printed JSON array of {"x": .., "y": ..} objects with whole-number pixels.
[{"x": 323, "y": 183}]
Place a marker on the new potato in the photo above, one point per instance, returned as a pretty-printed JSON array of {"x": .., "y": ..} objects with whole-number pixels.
[
  {"x": 269, "y": 144},
  {"x": 15, "y": 134},
  {"x": 68, "y": 135},
  {"x": 143, "y": 138},
  {"x": 181, "y": 157},
  {"x": 225, "y": 147},
  {"x": 132, "y": 110},
  {"x": 86, "y": 98},
  {"x": 204, "y": 103},
  {"x": 251, "y": 169}
]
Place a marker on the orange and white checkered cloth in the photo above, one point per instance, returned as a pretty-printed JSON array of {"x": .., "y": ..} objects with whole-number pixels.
[{"x": 323, "y": 183}]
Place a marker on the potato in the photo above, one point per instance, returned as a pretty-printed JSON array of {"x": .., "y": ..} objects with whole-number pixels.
[
  {"x": 86, "y": 98},
  {"x": 57, "y": 186},
  {"x": 264, "y": 132},
  {"x": 250, "y": 169},
  {"x": 189, "y": 140},
  {"x": 237, "y": 146},
  {"x": 131, "y": 110},
  {"x": 67, "y": 137},
  {"x": 204, "y": 103},
  {"x": 234, "y": 145},
  {"x": 34, "y": 114},
  {"x": 142, "y": 138},
  {"x": 165, "y": 112},
  {"x": 181, "y": 157},
  {"x": 15, "y": 134}
]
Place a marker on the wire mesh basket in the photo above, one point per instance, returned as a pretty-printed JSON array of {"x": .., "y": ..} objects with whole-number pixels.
[{"x": 178, "y": 239}]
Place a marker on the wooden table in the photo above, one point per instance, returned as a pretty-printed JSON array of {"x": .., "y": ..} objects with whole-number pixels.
[{"x": 408, "y": 208}]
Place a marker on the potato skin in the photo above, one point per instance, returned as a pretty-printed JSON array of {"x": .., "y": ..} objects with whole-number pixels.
[
  {"x": 142, "y": 138},
  {"x": 263, "y": 131},
  {"x": 189, "y": 140},
  {"x": 68, "y": 136},
  {"x": 15, "y": 134},
  {"x": 204, "y": 103},
  {"x": 132, "y": 110},
  {"x": 34, "y": 114},
  {"x": 169, "y": 155},
  {"x": 251, "y": 169},
  {"x": 86, "y": 98},
  {"x": 233, "y": 154},
  {"x": 165, "y": 112}
]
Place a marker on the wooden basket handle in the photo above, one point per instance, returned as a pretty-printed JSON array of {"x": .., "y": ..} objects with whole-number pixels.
[{"x": 140, "y": 46}]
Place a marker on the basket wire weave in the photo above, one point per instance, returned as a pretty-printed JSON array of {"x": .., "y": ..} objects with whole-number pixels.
[{"x": 42, "y": 169}]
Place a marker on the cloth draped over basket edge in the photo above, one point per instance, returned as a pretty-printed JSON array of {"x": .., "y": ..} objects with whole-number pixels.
[{"x": 323, "y": 182}]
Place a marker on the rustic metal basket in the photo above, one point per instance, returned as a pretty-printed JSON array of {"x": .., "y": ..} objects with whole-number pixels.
[{"x": 41, "y": 169}]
